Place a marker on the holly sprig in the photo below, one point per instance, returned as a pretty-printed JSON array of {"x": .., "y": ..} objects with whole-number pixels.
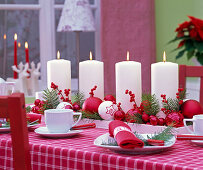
[{"x": 173, "y": 105}]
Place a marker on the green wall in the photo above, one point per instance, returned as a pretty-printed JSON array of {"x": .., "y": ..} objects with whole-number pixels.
[{"x": 168, "y": 14}]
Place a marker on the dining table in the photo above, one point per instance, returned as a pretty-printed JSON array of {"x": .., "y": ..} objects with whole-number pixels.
[{"x": 79, "y": 152}]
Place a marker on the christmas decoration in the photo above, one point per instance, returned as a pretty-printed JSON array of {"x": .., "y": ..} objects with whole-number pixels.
[
  {"x": 190, "y": 108},
  {"x": 60, "y": 94},
  {"x": 153, "y": 120},
  {"x": 78, "y": 98},
  {"x": 161, "y": 121},
  {"x": 64, "y": 105},
  {"x": 145, "y": 117},
  {"x": 92, "y": 103},
  {"x": 107, "y": 109},
  {"x": 76, "y": 107},
  {"x": 110, "y": 98},
  {"x": 150, "y": 104},
  {"x": 173, "y": 105},
  {"x": 174, "y": 119},
  {"x": 119, "y": 114}
]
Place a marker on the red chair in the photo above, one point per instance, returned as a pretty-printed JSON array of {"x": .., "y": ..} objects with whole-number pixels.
[
  {"x": 191, "y": 71},
  {"x": 13, "y": 107}
]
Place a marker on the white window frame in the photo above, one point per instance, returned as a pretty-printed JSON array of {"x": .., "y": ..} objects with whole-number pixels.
[{"x": 47, "y": 30}]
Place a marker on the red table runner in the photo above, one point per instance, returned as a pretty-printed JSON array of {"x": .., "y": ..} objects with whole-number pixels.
[{"x": 80, "y": 153}]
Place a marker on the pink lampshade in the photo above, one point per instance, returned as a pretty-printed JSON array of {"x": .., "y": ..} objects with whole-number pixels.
[{"x": 76, "y": 16}]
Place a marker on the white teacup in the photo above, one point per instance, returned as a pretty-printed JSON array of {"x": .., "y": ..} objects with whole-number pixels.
[
  {"x": 60, "y": 120},
  {"x": 4, "y": 87},
  {"x": 197, "y": 124}
]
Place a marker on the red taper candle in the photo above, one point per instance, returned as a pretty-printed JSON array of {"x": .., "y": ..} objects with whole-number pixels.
[
  {"x": 15, "y": 74},
  {"x": 26, "y": 52}
]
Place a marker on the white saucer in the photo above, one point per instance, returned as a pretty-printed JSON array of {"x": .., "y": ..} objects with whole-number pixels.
[{"x": 44, "y": 132}]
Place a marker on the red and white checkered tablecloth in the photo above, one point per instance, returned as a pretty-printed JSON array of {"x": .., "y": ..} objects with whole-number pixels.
[{"x": 80, "y": 153}]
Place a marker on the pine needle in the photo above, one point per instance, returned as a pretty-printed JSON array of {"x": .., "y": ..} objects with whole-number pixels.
[
  {"x": 52, "y": 99},
  {"x": 152, "y": 104},
  {"x": 78, "y": 98},
  {"x": 86, "y": 114}
]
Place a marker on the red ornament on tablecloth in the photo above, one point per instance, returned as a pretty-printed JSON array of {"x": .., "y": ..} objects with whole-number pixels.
[
  {"x": 110, "y": 98},
  {"x": 174, "y": 119},
  {"x": 119, "y": 114},
  {"x": 92, "y": 103},
  {"x": 161, "y": 121},
  {"x": 190, "y": 108}
]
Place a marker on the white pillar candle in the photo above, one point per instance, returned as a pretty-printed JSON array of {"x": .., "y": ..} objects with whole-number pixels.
[
  {"x": 128, "y": 77},
  {"x": 59, "y": 72},
  {"x": 164, "y": 79},
  {"x": 91, "y": 73}
]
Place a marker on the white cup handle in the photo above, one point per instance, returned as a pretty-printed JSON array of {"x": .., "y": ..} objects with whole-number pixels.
[
  {"x": 188, "y": 120},
  {"x": 80, "y": 116}
]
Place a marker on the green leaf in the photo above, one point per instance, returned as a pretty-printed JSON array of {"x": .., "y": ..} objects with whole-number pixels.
[
  {"x": 189, "y": 46},
  {"x": 190, "y": 54},
  {"x": 200, "y": 57},
  {"x": 180, "y": 54},
  {"x": 199, "y": 46},
  {"x": 179, "y": 38}
]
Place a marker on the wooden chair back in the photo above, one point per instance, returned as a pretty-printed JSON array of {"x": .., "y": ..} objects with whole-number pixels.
[
  {"x": 13, "y": 107},
  {"x": 191, "y": 71}
]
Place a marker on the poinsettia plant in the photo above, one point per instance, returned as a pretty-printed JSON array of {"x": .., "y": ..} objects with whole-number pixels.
[{"x": 190, "y": 35}]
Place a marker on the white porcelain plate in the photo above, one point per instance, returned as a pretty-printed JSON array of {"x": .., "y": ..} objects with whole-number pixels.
[
  {"x": 104, "y": 140},
  {"x": 7, "y": 129},
  {"x": 44, "y": 132},
  {"x": 197, "y": 142}
]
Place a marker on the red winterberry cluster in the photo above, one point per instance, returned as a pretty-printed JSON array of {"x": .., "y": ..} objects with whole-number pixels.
[
  {"x": 132, "y": 98},
  {"x": 38, "y": 106},
  {"x": 60, "y": 94},
  {"x": 92, "y": 91}
]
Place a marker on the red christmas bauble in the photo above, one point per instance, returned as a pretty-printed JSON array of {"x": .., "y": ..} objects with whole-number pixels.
[
  {"x": 174, "y": 119},
  {"x": 153, "y": 120},
  {"x": 119, "y": 115},
  {"x": 161, "y": 121},
  {"x": 145, "y": 117},
  {"x": 109, "y": 98},
  {"x": 37, "y": 102},
  {"x": 131, "y": 115},
  {"x": 91, "y": 104},
  {"x": 190, "y": 108},
  {"x": 76, "y": 106}
]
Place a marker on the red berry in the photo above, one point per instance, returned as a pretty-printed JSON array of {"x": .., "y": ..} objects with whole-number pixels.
[
  {"x": 126, "y": 92},
  {"x": 37, "y": 102}
]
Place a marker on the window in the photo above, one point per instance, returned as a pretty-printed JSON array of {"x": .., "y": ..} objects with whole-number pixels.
[{"x": 36, "y": 21}]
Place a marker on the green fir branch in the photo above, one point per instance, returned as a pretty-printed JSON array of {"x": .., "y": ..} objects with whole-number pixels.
[
  {"x": 150, "y": 104},
  {"x": 52, "y": 99},
  {"x": 89, "y": 115},
  {"x": 79, "y": 98}
]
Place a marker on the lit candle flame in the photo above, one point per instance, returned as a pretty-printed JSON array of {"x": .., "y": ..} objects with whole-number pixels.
[
  {"x": 4, "y": 36},
  {"x": 58, "y": 55},
  {"x": 90, "y": 55},
  {"x": 15, "y": 36},
  {"x": 26, "y": 45},
  {"x": 19, "y": 44},
  {"x": 164, "y": 57},
  {"x": 128, "y": 56}
]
